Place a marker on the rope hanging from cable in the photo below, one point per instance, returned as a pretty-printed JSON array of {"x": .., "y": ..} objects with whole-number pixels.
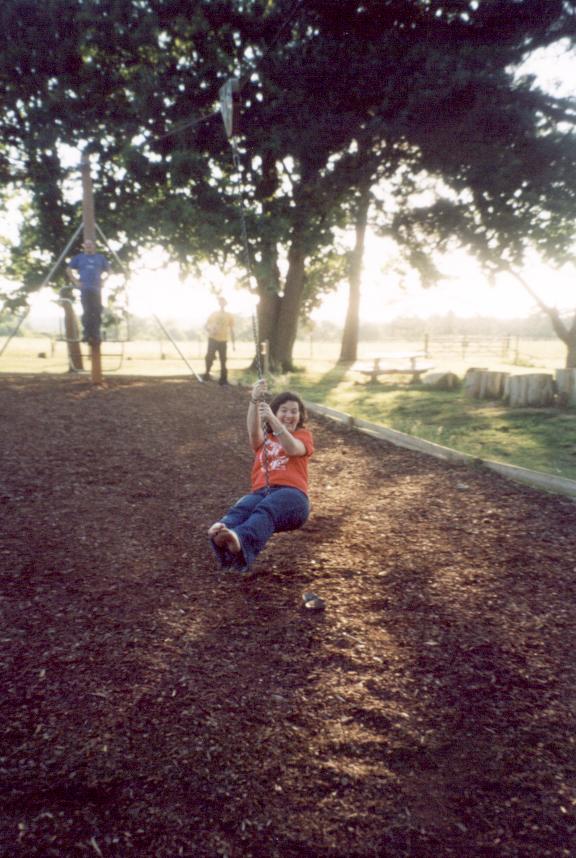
[
  {"x": 230, "y": 106},
  {"x": 246, "y": 244}
]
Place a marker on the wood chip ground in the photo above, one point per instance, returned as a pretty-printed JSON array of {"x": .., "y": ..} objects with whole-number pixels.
[{"x": 154, "y": 706}]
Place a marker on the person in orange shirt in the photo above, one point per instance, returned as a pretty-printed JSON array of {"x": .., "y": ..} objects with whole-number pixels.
[
  {"x": 279, "y": 497},
  {"x": 220, "y": 328}
]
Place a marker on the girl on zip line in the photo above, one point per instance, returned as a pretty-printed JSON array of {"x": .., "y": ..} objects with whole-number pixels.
[{"x": 279, "y": 497}]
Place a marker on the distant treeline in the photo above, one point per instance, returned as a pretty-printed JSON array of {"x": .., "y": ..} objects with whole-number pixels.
[
  {"x": 414, "y": 328},
  {"x": 407, "y": 328}
]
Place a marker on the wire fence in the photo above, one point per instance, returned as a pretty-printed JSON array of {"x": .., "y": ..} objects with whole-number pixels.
[
  {"x": 511, "y": 350},
  {"x": 160, "y": 355},
  {"x": 454, "y": 350}
]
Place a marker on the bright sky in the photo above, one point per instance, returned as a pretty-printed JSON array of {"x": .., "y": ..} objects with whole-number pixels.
[
  {"x": 465, "y": 293},
  {"x": 162, "y": 293}
]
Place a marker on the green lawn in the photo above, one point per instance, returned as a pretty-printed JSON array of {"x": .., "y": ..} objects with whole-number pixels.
[
  {"x": 542, "y": 439},
  {"x": 538, "y": 439}
]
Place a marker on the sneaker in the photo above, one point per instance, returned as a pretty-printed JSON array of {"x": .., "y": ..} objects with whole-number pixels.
[{"x": 227, "y": 539}]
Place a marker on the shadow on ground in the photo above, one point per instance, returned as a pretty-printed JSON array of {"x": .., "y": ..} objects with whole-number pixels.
[{"x": 156, "y": 706}]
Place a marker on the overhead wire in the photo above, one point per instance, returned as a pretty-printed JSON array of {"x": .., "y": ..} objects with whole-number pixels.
[
  {"x": 194, "y": 121},
  {"x": 244, "y": 231}
]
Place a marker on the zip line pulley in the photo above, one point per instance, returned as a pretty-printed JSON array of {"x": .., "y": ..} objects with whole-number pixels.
[{"x": 230, "y": 106}]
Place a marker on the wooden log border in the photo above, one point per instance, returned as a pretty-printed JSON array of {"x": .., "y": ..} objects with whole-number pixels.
[{"x": 536, "y": 479}]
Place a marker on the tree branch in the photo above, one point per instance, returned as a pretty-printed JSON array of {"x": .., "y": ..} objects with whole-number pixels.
[{"x": 559, "y": 327}]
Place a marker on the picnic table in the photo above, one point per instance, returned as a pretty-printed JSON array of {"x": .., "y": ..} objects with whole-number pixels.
[{"x": 414, "y": 364}]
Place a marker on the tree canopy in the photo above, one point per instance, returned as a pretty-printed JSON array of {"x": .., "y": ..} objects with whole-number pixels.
[{"x": 416, "y": 97}]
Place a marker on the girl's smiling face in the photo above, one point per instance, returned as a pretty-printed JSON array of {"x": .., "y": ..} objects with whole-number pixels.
[{"x": 289, "y": 414}]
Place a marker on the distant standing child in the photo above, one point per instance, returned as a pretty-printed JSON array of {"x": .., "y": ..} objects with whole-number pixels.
[
  {"x": 86, "y": 271},
  {"x": 219, "y": 327},
  {"x": 279, "y": 497}
]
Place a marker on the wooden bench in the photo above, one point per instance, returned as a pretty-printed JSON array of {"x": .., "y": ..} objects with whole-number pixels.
[{"x": 413, "y": 364}]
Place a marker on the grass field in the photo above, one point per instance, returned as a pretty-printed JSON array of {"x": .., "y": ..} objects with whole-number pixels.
[{"x": 539, "y": 439}]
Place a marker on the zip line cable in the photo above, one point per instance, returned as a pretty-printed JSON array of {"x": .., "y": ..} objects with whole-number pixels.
[
  {"x": 285, "y": 23},
  {"x": 183, "y": 126},
  {"x": 229, "y": 107},
  {"x": 195, "y": 121},
  {"x": 190, "y": 367},
  {"x": 231, "y": 128},
  {"x": 247, "y": 254},
  {"x": 233, "y": 87}
]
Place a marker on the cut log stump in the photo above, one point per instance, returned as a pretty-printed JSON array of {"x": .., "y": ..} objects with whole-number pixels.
[
  {"x": 485, "y": 384},
  {"x": 532, "y": 389},
  {"x": 566, "y": 386},
  {"x": 441, "y": 380},
  {"x": 472, "y": 381}
]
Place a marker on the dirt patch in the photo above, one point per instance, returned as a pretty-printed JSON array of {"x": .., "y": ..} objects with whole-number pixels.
[{"x": 153, "y": 706}]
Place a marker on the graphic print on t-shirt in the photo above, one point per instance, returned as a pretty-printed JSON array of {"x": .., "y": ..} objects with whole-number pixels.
[
  {"x": 283, "y": 470},
  {"x": 276, "y": 455}
]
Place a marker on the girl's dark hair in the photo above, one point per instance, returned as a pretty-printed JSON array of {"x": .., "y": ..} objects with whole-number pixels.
[{"x": 288, "y": 396}]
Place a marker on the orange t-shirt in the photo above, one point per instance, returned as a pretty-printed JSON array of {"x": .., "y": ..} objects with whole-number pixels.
[{"x": 283, "y": 470}]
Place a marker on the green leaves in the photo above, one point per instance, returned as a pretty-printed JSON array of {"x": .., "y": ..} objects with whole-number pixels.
[{"x": 386, "y": 92}]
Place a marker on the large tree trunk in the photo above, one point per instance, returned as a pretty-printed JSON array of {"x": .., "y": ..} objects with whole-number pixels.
[
  {"x": 566, "y": 386},
  {"x": 349, "y": 346},
  {"x": 72, "y": 337},
  {"x": 570, "y": 342},
  {"x": 268, "y": 310},
  {"x": 268, "y": 278},
  {"x": 282, "y": 346},
  {"x": 564, "y": 332},
  {"x": 268, "y": 270}
]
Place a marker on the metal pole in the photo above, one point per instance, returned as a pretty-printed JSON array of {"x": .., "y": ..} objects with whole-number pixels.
[
  {"x": 90, "y": 235},
  {"x": 158, "y": 322},
  {"x": 45, "y": 282},
  {"x": 112, "y": 251},
  {"x": 48, "y": 278},
  {"x": 15, "y": 331},
  {"x": 75, "y": 363}
]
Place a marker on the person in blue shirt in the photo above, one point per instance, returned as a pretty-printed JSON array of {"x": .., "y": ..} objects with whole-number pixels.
[{"x": 86, "y": 271}]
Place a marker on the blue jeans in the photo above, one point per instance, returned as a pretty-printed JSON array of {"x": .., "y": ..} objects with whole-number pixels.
[
  {"x": 255, "y": 517},
  {"x": 217, "y": 347},
  {"x": 91, "y": 301}
]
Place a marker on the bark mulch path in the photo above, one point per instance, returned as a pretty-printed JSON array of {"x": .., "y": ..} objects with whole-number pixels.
[{"x": 153, "y": 706}]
